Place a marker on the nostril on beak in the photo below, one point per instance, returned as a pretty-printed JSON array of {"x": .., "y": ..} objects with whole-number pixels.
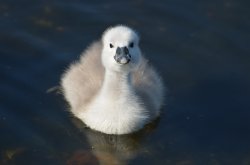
[
  {"x": 122, "y": 50},
  {"x": 126, "y": 51},
  {"x": 118, "y": 51}
]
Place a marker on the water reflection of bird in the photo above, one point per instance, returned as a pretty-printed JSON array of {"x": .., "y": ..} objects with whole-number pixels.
[
  {"x": 112, "y": 88},
  {"x": 114, "y": 149}
]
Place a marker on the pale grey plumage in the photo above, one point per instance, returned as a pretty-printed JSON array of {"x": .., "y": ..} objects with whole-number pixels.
[{"x": 83, "y": 80}]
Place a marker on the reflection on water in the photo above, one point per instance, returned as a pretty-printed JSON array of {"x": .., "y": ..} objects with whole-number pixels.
[
  {"x": 200, "y": 48},
  {"x": 115, "y": 149}
]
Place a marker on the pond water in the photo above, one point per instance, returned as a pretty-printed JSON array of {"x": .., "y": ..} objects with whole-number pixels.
[{"x": 201, "y": 49}]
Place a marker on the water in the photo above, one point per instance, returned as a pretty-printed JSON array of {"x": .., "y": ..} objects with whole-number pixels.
[{"x": 201, "y": 49}]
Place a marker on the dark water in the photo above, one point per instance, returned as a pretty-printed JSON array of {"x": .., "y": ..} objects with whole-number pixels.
[{"x": 201, "y": 48}]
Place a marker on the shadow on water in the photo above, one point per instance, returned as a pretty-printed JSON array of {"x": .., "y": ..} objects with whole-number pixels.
[{"x": 200, "y": 48}]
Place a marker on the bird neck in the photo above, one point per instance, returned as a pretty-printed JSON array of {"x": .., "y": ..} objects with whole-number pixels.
[{"x": 116, "y": 84}]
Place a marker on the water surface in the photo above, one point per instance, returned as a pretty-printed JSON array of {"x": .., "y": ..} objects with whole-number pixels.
[{"x": 201, "y": 49}]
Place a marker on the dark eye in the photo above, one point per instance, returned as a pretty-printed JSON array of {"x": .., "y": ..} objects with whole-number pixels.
[
  {"x": 111, "y": 46},
  {"x": 131, "y": 45}
]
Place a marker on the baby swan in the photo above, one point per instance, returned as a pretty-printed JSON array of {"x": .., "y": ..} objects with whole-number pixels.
[{"x": 112, "y": 88}]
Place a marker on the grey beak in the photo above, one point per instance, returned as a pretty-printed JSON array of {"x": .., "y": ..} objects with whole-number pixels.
[{"x": 122, "y": 55}]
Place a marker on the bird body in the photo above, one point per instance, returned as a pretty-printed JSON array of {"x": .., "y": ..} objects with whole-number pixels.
[{"x": 112, "y": 88}]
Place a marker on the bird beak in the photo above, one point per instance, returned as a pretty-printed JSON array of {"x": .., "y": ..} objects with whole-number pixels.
[{"x": 122, "y": 55}]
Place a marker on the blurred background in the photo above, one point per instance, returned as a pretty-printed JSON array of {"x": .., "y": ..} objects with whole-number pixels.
[{"x": 201, "y": 49}]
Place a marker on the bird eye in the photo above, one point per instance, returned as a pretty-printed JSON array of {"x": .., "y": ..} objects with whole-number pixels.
[
  {"x": 111, "y": 46},
  {"x": 131, "y": 45}
]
